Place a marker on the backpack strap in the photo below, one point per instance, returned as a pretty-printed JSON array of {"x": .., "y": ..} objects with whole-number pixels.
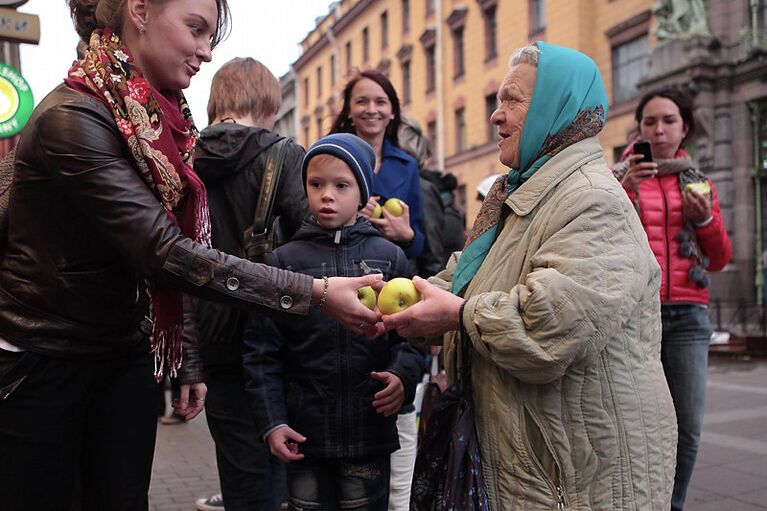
[{"x": 257, "y": 238}]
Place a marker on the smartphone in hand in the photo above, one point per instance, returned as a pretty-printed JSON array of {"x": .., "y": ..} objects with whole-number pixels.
[{"x": 645, "y": 150}]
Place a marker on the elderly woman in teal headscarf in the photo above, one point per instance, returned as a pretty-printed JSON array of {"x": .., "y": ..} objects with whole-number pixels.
[{"x": 556, "y": 291}]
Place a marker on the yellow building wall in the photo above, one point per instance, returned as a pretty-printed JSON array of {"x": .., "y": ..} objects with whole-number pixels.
[{"x": 579, "y": 24}]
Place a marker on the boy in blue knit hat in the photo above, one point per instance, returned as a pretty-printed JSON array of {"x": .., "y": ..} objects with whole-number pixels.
[{"x": 326, "y": 399}]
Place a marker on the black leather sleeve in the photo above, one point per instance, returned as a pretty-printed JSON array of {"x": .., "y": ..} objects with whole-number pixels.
[{"x": 87, "y": 157}]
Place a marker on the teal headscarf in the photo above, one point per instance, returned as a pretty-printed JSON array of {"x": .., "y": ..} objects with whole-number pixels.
[{"x": 569, "y": 104}]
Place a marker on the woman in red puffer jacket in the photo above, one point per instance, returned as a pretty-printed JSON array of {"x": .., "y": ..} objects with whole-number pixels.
[{"x": 679, "y": 209}]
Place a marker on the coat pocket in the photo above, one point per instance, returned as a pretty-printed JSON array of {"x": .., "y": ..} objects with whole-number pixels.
[{"x": 541, "y": 452}]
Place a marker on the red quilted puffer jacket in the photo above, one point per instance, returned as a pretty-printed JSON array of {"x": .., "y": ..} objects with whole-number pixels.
[{"x": 660, "y": 205}]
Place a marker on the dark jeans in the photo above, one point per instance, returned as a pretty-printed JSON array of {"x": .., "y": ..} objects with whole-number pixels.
[
  {"x": 76, "y": 434},
  {"x": 684, "y": 354},
  {"x": 326, "y": 485},
  {"x": 251, "y": 478}
]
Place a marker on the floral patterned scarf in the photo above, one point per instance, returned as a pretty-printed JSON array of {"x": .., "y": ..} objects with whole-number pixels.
[
  {"x": 569, "y": 104},
  {"x": 160, "y": 133}
]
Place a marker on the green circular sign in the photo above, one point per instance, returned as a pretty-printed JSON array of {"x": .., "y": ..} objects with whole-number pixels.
[{"x": 16, "y": 101}]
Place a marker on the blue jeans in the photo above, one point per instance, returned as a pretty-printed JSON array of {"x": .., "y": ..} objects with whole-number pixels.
[
  {"x": 332, "y": 484},
  {"x": 251, "y": 478},
  {"x": 684, "y": 354}
]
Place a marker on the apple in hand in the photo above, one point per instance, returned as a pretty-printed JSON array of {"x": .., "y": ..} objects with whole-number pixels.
[
  {"x": 701, "y": 188},
  {"x": 397, "y": 295},
  {"x": 367, "y": 296},
  {"x": 376, "y": 211},
  {"x": 394, "y": 207}
]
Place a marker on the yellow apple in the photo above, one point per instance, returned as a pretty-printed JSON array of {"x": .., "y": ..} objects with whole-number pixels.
[
  {"x": 702, "y": 188},
  {"x": 397, "y": 295},
  {"x": 376, "y": 211},
  {"x": 367, "y": 296},
  {"x": 394, "y": 207}
]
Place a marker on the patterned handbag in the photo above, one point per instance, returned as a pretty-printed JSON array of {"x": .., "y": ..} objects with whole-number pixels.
[{"x": 448, "y": 470}]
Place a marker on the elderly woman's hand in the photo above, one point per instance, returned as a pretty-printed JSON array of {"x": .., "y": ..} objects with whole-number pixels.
[
  {"x": 341, "y": 303},
  {"x": 437, "y": 312},
  {"x": 638, "y": 171},
  {"x": 395, "y": 228}
]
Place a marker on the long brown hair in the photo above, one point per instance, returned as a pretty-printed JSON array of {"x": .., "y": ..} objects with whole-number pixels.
[
  {"x": 88, "y": 15},
  {"x": 343, "y": 124}
]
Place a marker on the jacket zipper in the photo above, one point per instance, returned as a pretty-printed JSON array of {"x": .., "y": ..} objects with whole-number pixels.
[
  {"x": 667, "y": 273},
  {"x": 556, "y": 487}
]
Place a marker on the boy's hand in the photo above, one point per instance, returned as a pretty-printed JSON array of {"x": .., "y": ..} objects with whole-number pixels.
[
  {"x": 389, "y": 400},
  {"x": 283, "y": 444}
]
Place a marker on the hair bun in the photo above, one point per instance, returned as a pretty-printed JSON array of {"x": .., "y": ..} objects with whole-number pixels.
[{"x": 83, "y": 14}]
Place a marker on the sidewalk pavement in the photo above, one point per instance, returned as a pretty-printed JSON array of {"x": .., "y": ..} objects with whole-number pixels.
[{"x": 730, "y": 475}]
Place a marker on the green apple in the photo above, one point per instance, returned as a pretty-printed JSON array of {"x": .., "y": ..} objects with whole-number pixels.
[
  {"x": 367, "y": 296},
  {"x": 702, "y": 188},
  {"x": 376, "y": 211},
  {"x": 397, "y": 295},
  {"x": 394, "y": 207}
]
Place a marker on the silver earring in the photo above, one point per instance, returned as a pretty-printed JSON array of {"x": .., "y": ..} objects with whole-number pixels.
[{"x": 141, "y": 28}]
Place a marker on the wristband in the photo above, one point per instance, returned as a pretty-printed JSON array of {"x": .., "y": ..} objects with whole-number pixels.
[{"x": 324, "y": 296}]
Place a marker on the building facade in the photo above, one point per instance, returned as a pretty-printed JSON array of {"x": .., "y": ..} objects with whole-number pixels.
[{"x": 447, "y": 59}]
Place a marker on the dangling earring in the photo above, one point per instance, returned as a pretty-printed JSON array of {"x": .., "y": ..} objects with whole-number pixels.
[{"x": 141, "y": 28}]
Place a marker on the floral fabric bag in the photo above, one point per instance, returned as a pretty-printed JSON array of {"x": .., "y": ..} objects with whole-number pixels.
[{"x": 448, "y": 471}]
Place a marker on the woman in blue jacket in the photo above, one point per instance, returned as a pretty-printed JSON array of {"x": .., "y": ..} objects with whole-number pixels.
[{"x": 371, "y": 111}]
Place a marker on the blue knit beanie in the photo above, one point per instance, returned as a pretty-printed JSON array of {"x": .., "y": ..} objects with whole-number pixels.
[{"x": 354, "y": 151}]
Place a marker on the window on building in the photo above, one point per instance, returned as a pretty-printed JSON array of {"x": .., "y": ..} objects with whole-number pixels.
[
  {"x": 629, "y": 64},
  {"x": 491, "y": 36},
  {"x": 365, "y": 45},
  {"x": 458, "y": 53},
  {"x": 431, "y": 69},
  {"x": 307, "y": 142},
  {"x": 319, "y": 81},
  {"x": 460, "y": 130},
  {"x": 491, "y": 103},
  {"x": 384, "y": 29},
  {"x": 431, "y": 132},
  {"x": 405, "y": 16},
  {"x": 348, "y": 56},
  {"x": 537, "y": 15},
  {"x": 306, "y": 91},
  {"x": 406, "y": 82},
  {"x": 318, "y": 120},
  {"x": 431, "y": 6},
  {"x": 333, "y": 70}
]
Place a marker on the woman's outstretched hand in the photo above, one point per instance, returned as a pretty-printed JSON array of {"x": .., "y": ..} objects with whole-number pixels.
[
  {"x": 341, "y": 303},
  {"x": 437, "y": 312}
]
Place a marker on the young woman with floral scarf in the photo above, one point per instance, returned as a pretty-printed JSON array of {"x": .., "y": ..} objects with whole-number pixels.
[
  {"x": 688, "y": 237},
  {"x": 108, "y": 226}
]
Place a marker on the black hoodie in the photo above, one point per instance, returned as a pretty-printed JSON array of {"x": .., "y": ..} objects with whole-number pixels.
[{"x": 230, "y": 160}]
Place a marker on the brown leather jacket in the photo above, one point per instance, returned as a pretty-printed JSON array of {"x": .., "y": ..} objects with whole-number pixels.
[{"x": 85, "y": 231}]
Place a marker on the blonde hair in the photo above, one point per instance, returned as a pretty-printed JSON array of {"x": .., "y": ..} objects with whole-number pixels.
[{"x": 244, "y": 86}]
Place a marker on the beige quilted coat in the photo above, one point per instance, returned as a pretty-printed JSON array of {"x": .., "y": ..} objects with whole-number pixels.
[{"x": 572, "y": 407}]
